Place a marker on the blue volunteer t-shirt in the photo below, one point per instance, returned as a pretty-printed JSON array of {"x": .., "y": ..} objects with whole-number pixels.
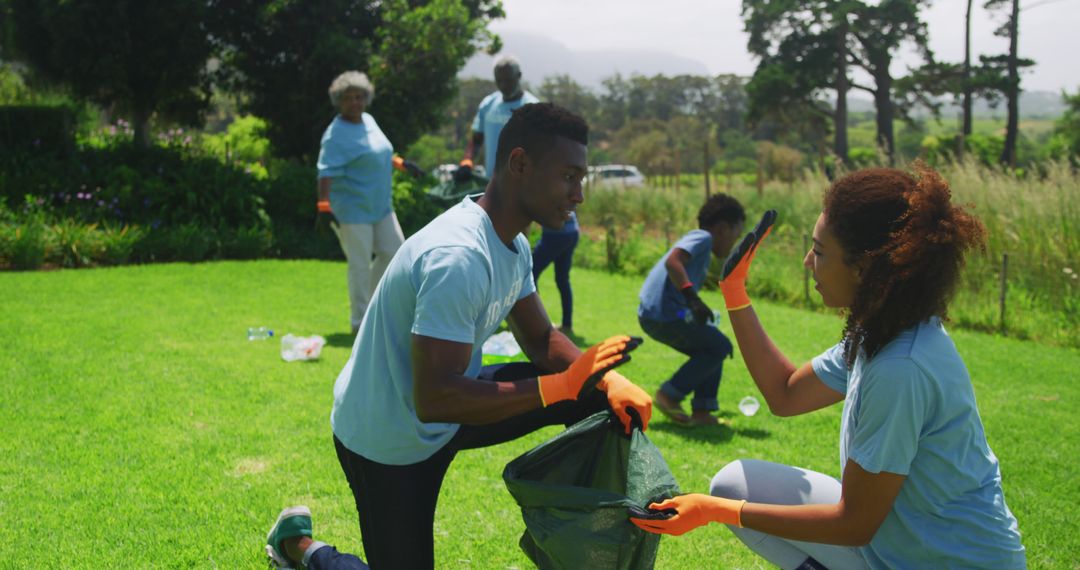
[
  {"x": 358, "y": 158},
  {"x": 490, "y": 119},
  {"x": 453, "y": 280},
  {"x": 660, "y": 300},
  {"x": 911, "y": 410}
]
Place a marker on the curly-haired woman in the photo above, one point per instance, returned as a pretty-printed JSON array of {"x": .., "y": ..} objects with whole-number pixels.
[
  {"x": 354, "y": 188},
  {"x": 920, "y": 486}
]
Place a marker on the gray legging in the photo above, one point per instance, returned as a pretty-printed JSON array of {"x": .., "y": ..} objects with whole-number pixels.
[{"x": 776, "y": 484}]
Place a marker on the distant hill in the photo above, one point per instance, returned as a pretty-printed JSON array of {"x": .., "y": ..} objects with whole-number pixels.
[{"x": 542, "y": 57}]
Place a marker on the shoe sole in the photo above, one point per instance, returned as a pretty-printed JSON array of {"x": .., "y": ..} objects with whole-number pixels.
[{"x": 276, "y": 559}]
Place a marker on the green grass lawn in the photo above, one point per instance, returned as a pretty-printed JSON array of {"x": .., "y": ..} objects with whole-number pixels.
[{"x": 142, "y": 429}]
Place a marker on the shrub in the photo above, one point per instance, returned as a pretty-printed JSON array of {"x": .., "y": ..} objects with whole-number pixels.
[
  {"x": 119, "y": 243},
  {"x": 30, "y": 245},
  {"x": 250, "y": 242},
  {"x": 186, "y": 242},
  {"x": 779, "y": 162},
  {"x": 126, "y": 184},
  {"x": 411, "y": 204},
  {"x": 76, "y": 244}
]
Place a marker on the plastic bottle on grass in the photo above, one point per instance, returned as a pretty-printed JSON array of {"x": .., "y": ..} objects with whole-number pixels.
[
  {"x": 749, "y": 406},
  {"x": 301, "y": 347},
  {"x": 259, "y": 333}
]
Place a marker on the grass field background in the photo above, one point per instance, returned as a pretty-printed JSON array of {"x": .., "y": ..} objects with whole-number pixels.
[{"x": 142, "y": 429}]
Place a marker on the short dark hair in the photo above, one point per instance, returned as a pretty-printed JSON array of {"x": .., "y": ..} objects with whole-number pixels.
[
  {"x": 534, "y": 127},
  {"x": 720, "y": 208}
]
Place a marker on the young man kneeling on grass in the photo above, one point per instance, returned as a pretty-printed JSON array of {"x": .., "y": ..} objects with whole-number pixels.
[
  {"x": 672, "y": 312},
  {"x": 413, "y": 393}
]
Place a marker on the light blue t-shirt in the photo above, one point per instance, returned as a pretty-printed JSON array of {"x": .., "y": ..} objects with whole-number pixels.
[
  {"x": 911, "y": 410},
  {"x": 660, "y": 300},
  {"x": 453, "y": 280},
  {"x": 358, "y": 158},
  {"x": 491, "y": 117}
]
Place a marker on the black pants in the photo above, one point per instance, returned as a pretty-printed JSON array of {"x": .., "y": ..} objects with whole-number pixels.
[{"x": 396, "y": 503}]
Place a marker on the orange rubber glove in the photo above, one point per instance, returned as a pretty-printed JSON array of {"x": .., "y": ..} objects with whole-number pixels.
[
  {"x": 324, "y": 217},
  {"x": 737, "y": 265},
  {"x": 585, "y": 372},
  {"x": 466, "y": 162},
  {"x": 623, "y": 394},
  {"x": 407, "y": 166},
  {"x": 692, "y": 511}
]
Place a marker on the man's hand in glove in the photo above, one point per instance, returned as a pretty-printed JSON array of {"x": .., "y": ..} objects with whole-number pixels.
[
  {"x": 622, "y": 395},
  {"x": 464, "y": 171},
  {"x": 585, "y": 372}
]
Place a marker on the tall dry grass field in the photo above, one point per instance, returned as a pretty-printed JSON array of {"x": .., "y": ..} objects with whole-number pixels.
[{"x": 1033, "y": 236}]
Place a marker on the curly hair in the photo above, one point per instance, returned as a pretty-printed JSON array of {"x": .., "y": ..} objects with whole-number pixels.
[
  {"x": 720, "y": 208},
  {"x": 351, "y": 80},
  {"x": 535, "y": 127},
  {"x": 909, "y": 242}
]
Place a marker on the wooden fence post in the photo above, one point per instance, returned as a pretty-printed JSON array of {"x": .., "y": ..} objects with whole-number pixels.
[
  {"x": 1004, "y": 288},
  {"x": 805, "y": 273},
  {"x": 707, "y": 188}
]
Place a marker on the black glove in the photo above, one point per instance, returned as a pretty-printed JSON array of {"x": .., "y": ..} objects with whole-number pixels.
[
  {"x": 414, "y": 169},
  {"x": 702, "y": 313},
  {"x": 749, "y": 242},
  {"x": 325, "y": 221},
  {"x": 463, "y": 174}
]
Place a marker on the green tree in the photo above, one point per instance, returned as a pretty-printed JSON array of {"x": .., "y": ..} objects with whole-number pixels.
[
  {"x": 5, "y": 30},
  {"x": 283, "y": 54},
  {"x": 879, "y": 31},
  {"x": 803, "y": 47},
  {"x": 1067, "y": 127},
  {"x": 140, "y": 58},
  {"x": 808, "y": 46},
  {"x": 563, "y": 90},
  {"x": 1012, "y": 63},
  {"x": 785, "y": 104}
]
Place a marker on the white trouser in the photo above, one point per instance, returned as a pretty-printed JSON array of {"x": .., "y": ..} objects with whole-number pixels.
[
  {"x": 359, "y": 242},
  {"x": 776, "y": 484}
]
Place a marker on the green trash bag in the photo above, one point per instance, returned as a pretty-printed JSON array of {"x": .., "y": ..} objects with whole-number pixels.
[
  {"x": 448, "y": 193},
  {"x": 575, "y": 491}
]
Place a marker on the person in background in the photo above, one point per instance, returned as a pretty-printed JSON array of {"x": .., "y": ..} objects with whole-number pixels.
[
  {"x": 557, "y": 246},
  {"x": 672, "y": 312},
  {"x": 493, "y": 113},
  {"x": 920, "y": 487},
  {"x": 354, "y": 189},
  {"x": 413, "y": 393}
]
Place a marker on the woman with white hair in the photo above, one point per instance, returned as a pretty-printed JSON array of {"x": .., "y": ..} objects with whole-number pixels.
[{"x": 354, "y": 190}]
